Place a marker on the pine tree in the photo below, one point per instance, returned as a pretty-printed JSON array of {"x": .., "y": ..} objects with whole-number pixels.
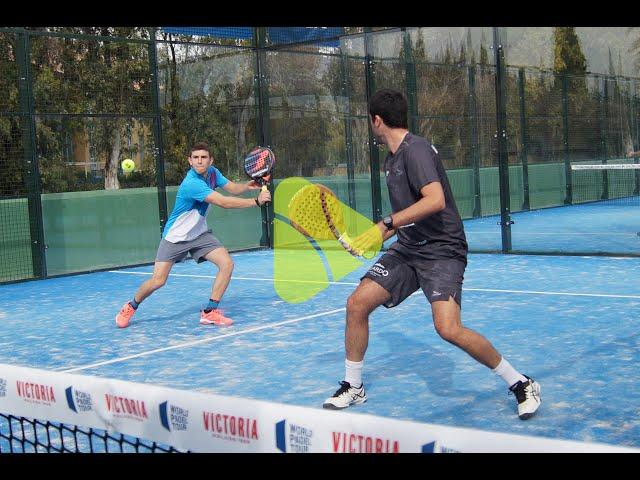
[
  {"x": 419, "y": 49},
  {"x": 568, "y": 56},
  {"x": 462, "y": 59},
  {"x": 484, "y": 55},
  {"x": 470, "y": 51},
  {"x": 612, "y": 69}
]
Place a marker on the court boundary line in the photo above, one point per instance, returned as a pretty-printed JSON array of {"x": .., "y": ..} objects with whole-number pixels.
[
  {"x": 495, "y": 290},
  {"x": 196, "y": 342},
  {"x": 530, "y": 234}
]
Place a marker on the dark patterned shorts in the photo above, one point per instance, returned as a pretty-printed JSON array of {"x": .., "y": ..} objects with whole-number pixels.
[{"x": 439, "y": 279}]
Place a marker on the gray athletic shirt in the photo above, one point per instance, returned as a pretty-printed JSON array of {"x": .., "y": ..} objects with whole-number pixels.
[{"x": 415, "y": 164}]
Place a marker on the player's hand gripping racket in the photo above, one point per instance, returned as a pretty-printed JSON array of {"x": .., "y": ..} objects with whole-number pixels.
[
  {"x": 258, "y": 165},
  {"x": 316, "y": 212}
]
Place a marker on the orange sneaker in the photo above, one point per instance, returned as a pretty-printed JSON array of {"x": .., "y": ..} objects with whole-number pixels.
[
  {"x": 124, "y": 317},
  {"x": 214, "y": 317}
]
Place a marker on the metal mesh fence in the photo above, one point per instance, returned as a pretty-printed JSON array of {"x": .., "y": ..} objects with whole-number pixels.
[
  {"x": 236, "y": 36},
  {"x": 78, "y": 100},
  {"x": 15, "y": 231}
]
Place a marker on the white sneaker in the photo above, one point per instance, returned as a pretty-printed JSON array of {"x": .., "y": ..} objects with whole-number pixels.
[
  {"x": 528, "y": 396},
  {"x": 345, "y": 396}
]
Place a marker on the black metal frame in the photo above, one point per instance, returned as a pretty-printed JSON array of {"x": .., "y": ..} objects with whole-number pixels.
[{"x": 261, "y": 91}]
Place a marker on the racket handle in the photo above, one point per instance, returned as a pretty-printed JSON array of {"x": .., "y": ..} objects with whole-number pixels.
[
  {"x": 264, "y": 189},
  {"x": 345, "y": 241}
]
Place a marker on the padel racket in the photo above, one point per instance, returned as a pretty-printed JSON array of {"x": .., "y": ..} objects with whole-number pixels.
[
  {"x": 316, "y": 212},
  {"x": 258, "y": 165}
]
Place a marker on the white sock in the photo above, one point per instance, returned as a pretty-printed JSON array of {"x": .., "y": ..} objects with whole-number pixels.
[
  {"x": 509, "y": 374},
  {"x": 353, "y": 372}
]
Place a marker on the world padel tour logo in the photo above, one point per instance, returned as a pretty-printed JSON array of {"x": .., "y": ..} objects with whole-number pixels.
[
  {"x": 230, "y": 427},
  {"x": 126, "y": 407},
  {"x": 437, "y": 447},
  {"x": 35, "y": 392},
  {"x": 3, "y": 387},
  {"x": 349, "y": 442},
  {"x": 173, "y": 417},
  {"x": 78, "y": 401},
  {"x": 307, "y": 255},
  {"x": 293, "y": 438}
]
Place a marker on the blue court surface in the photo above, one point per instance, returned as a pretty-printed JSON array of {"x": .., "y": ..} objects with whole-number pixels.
[
  {"x": 611, "y": 226},
  {"x": 572, "y": 323}
]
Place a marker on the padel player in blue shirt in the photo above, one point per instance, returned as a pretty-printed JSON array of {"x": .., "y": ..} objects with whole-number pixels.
[{"x": 186, "y": 232}]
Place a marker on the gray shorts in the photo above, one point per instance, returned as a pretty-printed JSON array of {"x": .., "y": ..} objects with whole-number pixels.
[
  {"x": 198, "y": 248},
  {"x": 439, "y": 279}
]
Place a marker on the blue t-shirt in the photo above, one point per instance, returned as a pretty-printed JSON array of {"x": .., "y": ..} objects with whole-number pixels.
[{"x": 188, "y": 220}]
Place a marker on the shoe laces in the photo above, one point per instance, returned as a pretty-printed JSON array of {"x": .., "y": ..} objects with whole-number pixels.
[
  {"x": 520, "y": 391},
  {"x": 344, "y": 388},
  {"x": 127, "y": 308}
]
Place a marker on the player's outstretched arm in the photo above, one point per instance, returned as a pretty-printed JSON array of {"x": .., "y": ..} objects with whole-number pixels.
[
  {"x": 235, "y": 188},
  {"x": 224, "y": 201}
]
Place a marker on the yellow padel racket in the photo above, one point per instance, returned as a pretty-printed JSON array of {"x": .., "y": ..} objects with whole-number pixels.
[{"x": 316, "y": 212}]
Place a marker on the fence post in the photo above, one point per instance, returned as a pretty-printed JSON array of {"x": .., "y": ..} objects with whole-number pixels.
[
  {"x": 475, "y": 152},
  {"x": 501, "y": 137},
  {"x": 31, "y": 164},
  {"x": 261, "y": 92},
  {"x": 602, "y": 113},
  {"x": 524, "y": 158},
  {"x": 410, "y": 75},
  {"x": 374, "y": 155},
  {"x": 348, "y": 133},
  {"x": 157, "y": 131},
  {"x": 568, "y": 199},
  {"x": 634, "y": 130}
]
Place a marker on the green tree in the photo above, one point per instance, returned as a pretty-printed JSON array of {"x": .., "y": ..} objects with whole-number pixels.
[
  {"x": 568, "y": 56},
  {"x": 11, "y": 150},
  {"x": 635, "y": 46},
  {"x": 104, "y": 84},
  {"x": 207, "y": 94},
  {"x": 484, "y": 54}
]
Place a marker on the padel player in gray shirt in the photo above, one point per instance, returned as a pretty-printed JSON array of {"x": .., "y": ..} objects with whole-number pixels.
[{"x": 430, "y": 253}]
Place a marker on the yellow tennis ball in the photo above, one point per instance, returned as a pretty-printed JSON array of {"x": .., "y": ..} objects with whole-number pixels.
[{"x": 128, "y": 165}]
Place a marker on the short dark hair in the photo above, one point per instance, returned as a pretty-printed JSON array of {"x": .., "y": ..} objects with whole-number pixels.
[
  {"x": 200, "y": 146},
  {"x": 391, "y": 106}
]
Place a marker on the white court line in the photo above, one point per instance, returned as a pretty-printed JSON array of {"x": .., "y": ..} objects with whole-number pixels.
[
  {"x": 528, "y": 292},
  {"x": 236, "y": 278},
  {"x": 530, "y": 234},
  {"x": 197, "y": 342}
]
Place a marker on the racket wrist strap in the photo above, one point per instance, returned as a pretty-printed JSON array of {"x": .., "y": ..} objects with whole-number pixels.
[{"x": 257, "y": 202}]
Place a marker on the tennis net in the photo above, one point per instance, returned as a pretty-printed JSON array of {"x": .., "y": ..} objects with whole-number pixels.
[
  {"x": 608, "y": 184},
  {"x": 24, "y": 435}
]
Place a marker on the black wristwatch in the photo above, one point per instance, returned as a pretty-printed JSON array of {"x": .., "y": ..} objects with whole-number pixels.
[
  {"x": 257, "y": 202},
  {"x": 388, "y": 222}
]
